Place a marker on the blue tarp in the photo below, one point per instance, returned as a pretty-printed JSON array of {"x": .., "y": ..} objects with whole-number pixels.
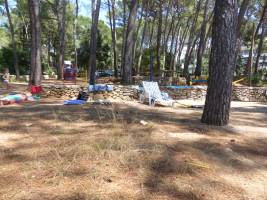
[{"x": 73, "y": 102}]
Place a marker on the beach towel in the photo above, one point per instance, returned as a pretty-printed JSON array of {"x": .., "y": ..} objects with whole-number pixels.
[{"x": 71, "y": 102}]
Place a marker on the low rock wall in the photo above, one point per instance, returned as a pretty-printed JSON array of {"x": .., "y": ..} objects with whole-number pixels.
[
  {"x": 129, "y": 94},
  {"x": 163, "y": 81}
]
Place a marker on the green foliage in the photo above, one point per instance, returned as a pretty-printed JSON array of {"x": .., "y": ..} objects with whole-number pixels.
[
  {"x": 7, "y": 60},
  {"x": 256, "y": 79}
]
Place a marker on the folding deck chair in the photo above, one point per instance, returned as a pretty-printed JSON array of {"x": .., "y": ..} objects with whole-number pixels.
[{"x": 154, "y": 95}]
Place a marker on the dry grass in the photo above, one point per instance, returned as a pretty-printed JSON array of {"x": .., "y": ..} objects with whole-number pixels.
[{"x": 99, "y": 152}]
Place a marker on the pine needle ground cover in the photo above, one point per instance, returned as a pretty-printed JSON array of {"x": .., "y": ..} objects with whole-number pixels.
[{"x": 104, "y": 152}]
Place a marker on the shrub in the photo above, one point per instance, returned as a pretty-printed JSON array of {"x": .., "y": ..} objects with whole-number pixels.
[{"x": 256, "y": 79}]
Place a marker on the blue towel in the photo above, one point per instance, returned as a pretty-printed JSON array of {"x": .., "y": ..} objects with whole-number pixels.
[
  {"x": 100, "y": 88},
  {"x": 91, "y": 88},
  {"x": 109, "y": 87},
  {"x": 73, "y": 102}
]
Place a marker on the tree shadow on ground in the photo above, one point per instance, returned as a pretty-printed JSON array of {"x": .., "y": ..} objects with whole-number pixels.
[{"x": 65, "y": 135}]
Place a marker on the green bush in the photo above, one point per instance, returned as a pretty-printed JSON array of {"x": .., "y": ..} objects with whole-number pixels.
[{"x": 256, "y": 79}]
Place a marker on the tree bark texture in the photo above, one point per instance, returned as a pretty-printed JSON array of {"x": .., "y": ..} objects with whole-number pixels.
[
  {"x": 159, "y": 34},
  {"x": 260, "y": 48},
  {"x": 165, "y": 32},
  {"x": 61, "y": 31},
  {"x": 143, "y": 38},
  {"x": 16, "y": 65},
  {"x": 218, "y": 99},
  {"x": 93, "y": 45},
  {"x": 127, "y": 73},
  {"x": 74, "y": 31},
  {"x": 190, "y": 40},
  {"x": 36, "y": 43},
  {"x": 202, "y": 39}
]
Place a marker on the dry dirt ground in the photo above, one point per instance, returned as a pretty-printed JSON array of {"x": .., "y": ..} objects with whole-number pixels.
[{"x": 66, "y": 152}]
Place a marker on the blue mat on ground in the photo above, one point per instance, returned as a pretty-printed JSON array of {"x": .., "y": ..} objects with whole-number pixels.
[{"x": 71, "y": 102}]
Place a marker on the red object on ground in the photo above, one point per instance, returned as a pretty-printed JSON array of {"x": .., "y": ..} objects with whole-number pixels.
[{"x": 36, "y": 88}]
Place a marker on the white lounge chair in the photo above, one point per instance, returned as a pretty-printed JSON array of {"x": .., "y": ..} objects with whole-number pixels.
[{"x": 154, "y": 95}]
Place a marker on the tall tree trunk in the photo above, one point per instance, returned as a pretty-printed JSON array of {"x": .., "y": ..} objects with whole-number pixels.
[
  {"x": 48, "y": 48},
  {"x": 172, "y": 43},
  {"x": 61, "y": 31},
  {"x": 123, "y": 41},
  {"x": 202, "y": 39},
  {"x": 92, "y": 31},
  {"x": 36, "y": 43},
  {"x": 176, "y": 50},
  {"x": 218, "y": 99},
  {"x": 115, "y": 42},
  {"x": 114, "y": 37},
  {"x": 151, "y": 34},
  {"x": 241, "y": 16},
  {"x": 74, "y": 31},
  {"x": 260, "y": 49},
  {"x": 16, "y": 65},
  {"x": 127, "y": 73},
  {"x": 191, "y": 38},
  {"x": 93, "y": 46},
  {"x": 164, "y": 36},
  {"x": 143, "y": 38},
  {"x": 136, "y": 37},
  {"x": 159, "y": 34},
  {"x": 255, "y": 36}
]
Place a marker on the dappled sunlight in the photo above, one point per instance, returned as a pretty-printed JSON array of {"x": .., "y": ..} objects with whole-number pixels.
[{"x": 87, "y": 151}]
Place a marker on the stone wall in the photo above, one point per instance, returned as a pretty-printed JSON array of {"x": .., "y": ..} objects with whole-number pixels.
[
  {"x": 129, "y": 94},
  {"x": 163, "y": 81}
]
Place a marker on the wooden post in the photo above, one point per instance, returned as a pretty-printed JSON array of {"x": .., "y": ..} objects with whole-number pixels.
[{"x": 251, "y": 63}]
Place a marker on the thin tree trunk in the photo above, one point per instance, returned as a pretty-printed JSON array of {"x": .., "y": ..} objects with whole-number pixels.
[
  {"x": 172, "y": 43},
  {"x": 92, "y": 32},
  {"x": 16, "y": 65},
  {"x": 191, "y": 38},
  {"x": 36, "y": 43},
  {"x": 255, "y": 36},
  {"x": 61, "y": 31},
  {"x": 136, "y": 37},
  {"x": 151, "y": 34},
  {"x": 176, "y": 50},
  {"x": 202, "y": 39},
  {"x": 143, "y": 37},
  {"x": 114, "y": 37},
  {"x": 48, "y": 48},
  {"x": 74, "y": 31},
  {"x": 159, "y": 34},
  {"x": 260, "y": 49},
  {"x": 172, "y": 24},
  {"x": 93, "y": 45},
  {"x": 218, "y": 99},
  {"x": 123, "y": 41},
  {"x": 241, "y": 16},
  {"x": 127, "y": 73},
  {"x": 165, "y": 32},
  {"x": 26, "y": 26}
]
